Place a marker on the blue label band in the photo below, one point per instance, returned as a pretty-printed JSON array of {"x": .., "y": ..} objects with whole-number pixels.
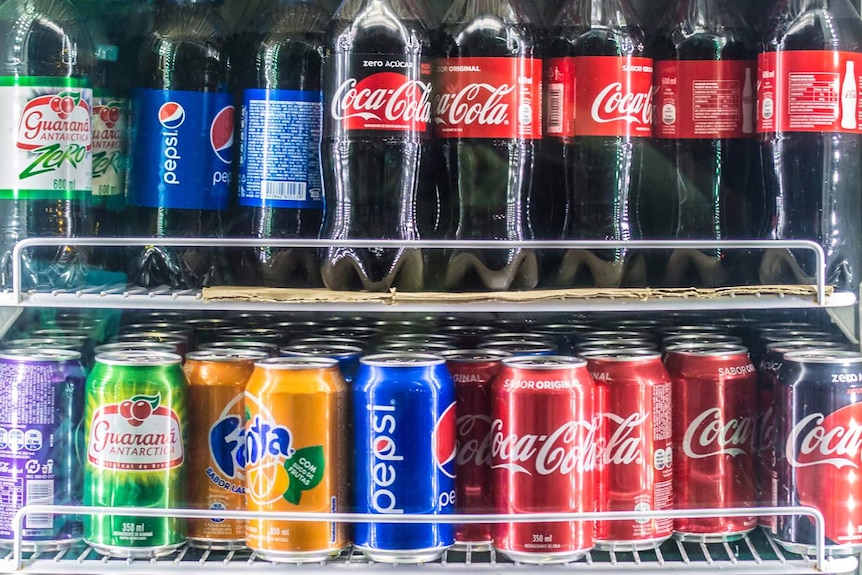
[{"x": 182, "y": 149}]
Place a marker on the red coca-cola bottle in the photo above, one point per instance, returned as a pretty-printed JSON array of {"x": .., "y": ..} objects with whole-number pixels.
[
  {"x": 376, "y": 142},
  {"x": 487, "y": 112},
  {"x": 810, "y": 130},
  {"x": 705, "y": 131},
  {"x": 598, "y": 76}
]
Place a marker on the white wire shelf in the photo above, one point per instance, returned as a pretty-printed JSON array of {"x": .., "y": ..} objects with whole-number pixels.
[{"x": 755, "y": 554}]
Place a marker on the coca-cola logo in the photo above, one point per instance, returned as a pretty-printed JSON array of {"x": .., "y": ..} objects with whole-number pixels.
[
  {"x": 623, "y": 439},
  {"x": 474, "y": 441},
  {"x": 476, "y": 103},
  {"x": 570, "y": 447},
  {"x": 613, "y": 104},
  {"x": 386, "y": 98},
  {"x": 710, "y": 434},
  {"x": 830, "y": 442},
  {"x": 766, "y": 431}
]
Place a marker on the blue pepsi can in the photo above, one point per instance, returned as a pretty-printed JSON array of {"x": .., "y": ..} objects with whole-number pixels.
[
  {"x": 347, "y": 355},
  {"x": 404, "y": 417}
]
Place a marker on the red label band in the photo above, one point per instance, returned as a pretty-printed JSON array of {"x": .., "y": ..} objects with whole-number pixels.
[
  {"x": 600, "y": 96},
  {"x": 497, "y": 98},
  {"x": 809, "y": 91},
  {"x": 705, "y": 99}
]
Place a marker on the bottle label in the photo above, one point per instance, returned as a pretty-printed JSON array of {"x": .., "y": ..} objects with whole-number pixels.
[
  {"x": 182, "y": 149},
  {"x": 280, "y": 159},
  {"x": 809, "y": 91},
  {"x": 379, "y": 93},
  {"x": 49, "y": 152},
  {"x": 705, "y": 99},
  {"x": 110, "y": 133},
  {"x": 599, "y": 96},
  {"x": 497, "y": 98}
]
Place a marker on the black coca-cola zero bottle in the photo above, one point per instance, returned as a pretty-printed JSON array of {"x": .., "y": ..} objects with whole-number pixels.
[
  {"x": 487, "y": 113},
  {"x": 705, "y": 131},
  {"x": 810, "y": 132},
  {"x": 599, "y": 123}
]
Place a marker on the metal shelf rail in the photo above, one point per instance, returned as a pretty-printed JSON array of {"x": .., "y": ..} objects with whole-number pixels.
[{"x": 756, "y": 554}]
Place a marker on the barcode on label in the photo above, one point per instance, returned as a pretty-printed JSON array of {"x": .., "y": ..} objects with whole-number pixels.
[
  {"x": 295, "y": 191},
  {"x": 40, "y": 492},
  {"x": 556, "y": 93}
]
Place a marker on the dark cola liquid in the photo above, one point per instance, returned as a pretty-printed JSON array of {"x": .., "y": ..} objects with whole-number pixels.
[
  {"x": 44, "y": 38},
  {"x": 603, "y": 176},
  {"x": 191, "y": 33},
  {"x": 288, "y": 57},
  {"x": 491, "y": 179},
  {"x": 813, "y": 179},
  {"x": 374, "y": 179},
  {"x": 713, "y": 185}
]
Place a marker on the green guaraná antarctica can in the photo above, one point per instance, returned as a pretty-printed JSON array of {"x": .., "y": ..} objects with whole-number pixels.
[{"x": 135, "y": 423}]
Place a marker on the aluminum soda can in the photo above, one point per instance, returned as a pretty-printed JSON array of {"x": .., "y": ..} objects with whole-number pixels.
[
  {"x": 414, "y": 347},
  {"x": 522, "y": 348},
  {"x": 216, "y": 459},
  {"x": 421, "y": 338},
  {"x": 295, "y": 457},
  {"x": 473, "y": 371},
  {"x": 635, "y": 464},
  {"x": 41, "y": 408},
  {"x": 544, "y": 450},
  {"x": 347, "y": 355},
  {"x": 714, "y": 421},
  {"x": 122, "y": 346},
  {"x": 179, "y": 341},
  {"x": 136, "y": 425},
  {"x": 270, "y": 349},
  {"x": 818, "y": 418},
  {"x": 404, "y": 418}
]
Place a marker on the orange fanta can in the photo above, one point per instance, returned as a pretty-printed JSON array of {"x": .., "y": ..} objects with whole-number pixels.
[
  {"x": 217, "y": 443},
  {"x": 295, "y": 451}
]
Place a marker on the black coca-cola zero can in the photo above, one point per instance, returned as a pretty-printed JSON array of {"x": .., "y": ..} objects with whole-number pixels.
[{"x": 818, "y": 420}]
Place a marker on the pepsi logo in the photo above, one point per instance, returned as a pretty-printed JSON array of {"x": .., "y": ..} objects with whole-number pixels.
[
  {"x": 221, "y": 135},
  {"x": 172, "y": 115},
  {"x": 445, "y": 448}
]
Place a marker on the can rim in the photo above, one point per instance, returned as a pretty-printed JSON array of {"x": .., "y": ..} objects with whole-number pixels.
[
  {"x": 707, "y": 349},
  {"x": 622, "y": 355},
  {"x": 812, "y": 345},
  {"x": 632, "y": 343},
  {"x": 226, "y": 355},
  {"x": 300, "y": 363},
  {"x": 353, "y": 342},
  {"x": 545, "y": 362},
  {"x": 402, "y": 360},
  {"x": 824, "y": 356},
  {"x": 153, "y": 335},
  {"x": 611, "y": 334},
  {"x": 419, "y": 338},
  {"x": 519, "y": 346},
  {"x": 251, "y": 345},
  {"x": 132, "y": 346},
  {"x": 44, "y": 354},
  {"x": 310, "y": 349},
  {"x": 430, "y": 347},
  {"x": 139, "y": 358},
  {"x": 720, "y": 338},
  {"x": 47, "y": 342},
  {"x": 475, "y": 355},
  {"x": 515, "y": 336},
  {"x": 683, "y": 329}
]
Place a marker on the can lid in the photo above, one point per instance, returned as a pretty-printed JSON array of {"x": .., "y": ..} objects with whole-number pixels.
[
  {"x": 43, "y": 354},
  {"x": 544, "y": 362},
  {"x": 321, "y": 349},
  {"x": 227, "y": 355},
  {"x": 153, "y": 336},
  {"x": 407, "y": 360},
  {"x": 301, "y": 363},
  {"x": 622, "y": 355},
  {"x": 792, "y": 345},
  {"x": 139, "y": 358},
  {"x": 330, "y": 340},
  {"x": 474, "y": 355},
  {"x": 600, "y": 344},
  {"x": 419, "y": 338},
  {"x": 43, "y": 342},
  {"x": 134, "y": 346},
  {"x": 702, "y": 338},
  {"x": 511, "y": 336},
  {"x": 707, "y": 349},
  {"x": 684, "y": 329},
  {"x": 563, "y": 328},
  {"x": 824, "y": 356},
  {"x": 414, "y": 347},
  {"x": 520, "y": 346},
  {"x": 238, "y": 344},
  {"x": 607, "y": 334}
]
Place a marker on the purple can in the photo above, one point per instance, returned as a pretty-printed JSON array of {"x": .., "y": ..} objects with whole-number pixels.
[{"x": 41, "y": 408}]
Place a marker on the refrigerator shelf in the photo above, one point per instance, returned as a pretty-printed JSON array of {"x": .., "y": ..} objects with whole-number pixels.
[{"x": 756, "y": 554}]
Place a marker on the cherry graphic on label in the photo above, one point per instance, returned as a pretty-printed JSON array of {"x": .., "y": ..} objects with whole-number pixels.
[
  {"x": 114, "y": 115},
  {"x": 55, "y": 105},
  {"x": 141, "y": 410},
  {"x": 67, "y": 105},
  {"x": 126, "y": 409},
  {"x": 104, "y": 114}
]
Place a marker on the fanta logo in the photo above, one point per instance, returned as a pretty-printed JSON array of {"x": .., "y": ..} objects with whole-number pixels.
[
  {"x": 138, "y": 434},
  {"x": 228, "y": 445},
  {"x": 266, "y": 439},
  {"x": 613, "y": 105},
  {"x": 221, "y": 135},
  {"x": 835, "y": 440},
  {"x": 625, "y": 438},
  {"x": 476, "y": 103},
  {"x": 709, "y": 434},
  {"x": 172, "y": 115},
  {"x": 386, "y": 97},
  {"x": 570, "y": 447},
  {"x": 444, "y": 441}
]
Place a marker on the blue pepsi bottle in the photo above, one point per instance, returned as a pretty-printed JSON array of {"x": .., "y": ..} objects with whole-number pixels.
[{"x": 182, "y": 126}]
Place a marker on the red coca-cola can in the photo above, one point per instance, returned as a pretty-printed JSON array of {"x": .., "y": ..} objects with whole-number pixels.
[
  {"x": 544, "y": 456},
  {"x": 635, "y": 463},
  {"x": 714, "y": 424},
  {"x": 473, "y": 372}
]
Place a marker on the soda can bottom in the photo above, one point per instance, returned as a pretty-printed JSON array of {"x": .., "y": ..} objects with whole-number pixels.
[
  {"x": 403, "y": 556},
  {"x": 632, "y": 545},
  {"x": 543, "y": 558},
  {"x": 473, "y": 546},
  {"x": 217, "y": 544},
  {"x": 298, "y": 557},
  {"x": 811, "y": 550},
  {"x": 716, "y": 537},
  {"x": 135, "y": 552}
]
